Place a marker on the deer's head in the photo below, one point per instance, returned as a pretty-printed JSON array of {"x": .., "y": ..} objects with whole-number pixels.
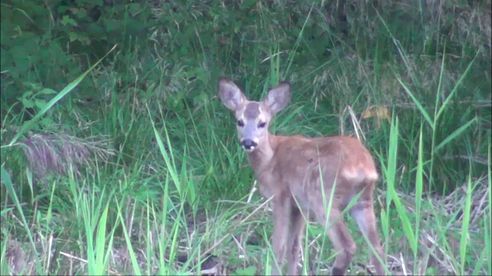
[{"x": 253, "y": 118}]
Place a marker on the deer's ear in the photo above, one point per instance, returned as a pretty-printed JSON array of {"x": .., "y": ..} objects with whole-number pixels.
[
  {"x": 278, "y": 98},
  {"x": 230, "y": 95}
]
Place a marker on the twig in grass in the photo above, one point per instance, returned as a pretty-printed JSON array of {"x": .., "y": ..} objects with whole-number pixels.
[
  {"x": 253, "y": 190},
  {"x": 50, "y": 254},
  {"x": 241, "y": 248},
  {"x": 217, "y": 243},
  {"x": 256, "y": 210},
  {"x": 356, "y": 124},
  {"x": 314, "y": 240},
  {"x": 477, "y": 159},
  {"x": 429, "y": 242},
  {"x": 70, "y": 256},
  {"x": 241, "y": 222},
  {"x": 73, "y": 257},
  {"x": 365, "y": 267},
  {"x": 454, "y": 203},
  {"x": 403, "y": 266},
  {"x": 393, "y": 263}
]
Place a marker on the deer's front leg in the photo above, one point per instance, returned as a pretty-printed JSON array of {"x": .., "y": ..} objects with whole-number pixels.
[
  {"x": 281, "y": 221},
  {"x": 294, "y": 240}
]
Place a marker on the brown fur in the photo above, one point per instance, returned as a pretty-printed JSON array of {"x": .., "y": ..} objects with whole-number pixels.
[{"x": 300, "y": 174}]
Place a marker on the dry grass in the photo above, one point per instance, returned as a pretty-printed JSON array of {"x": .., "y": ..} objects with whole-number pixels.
[{"x": 57, "y": 153}]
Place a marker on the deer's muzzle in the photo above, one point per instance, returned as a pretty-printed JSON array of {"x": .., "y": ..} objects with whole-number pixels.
[{"x": 248, "y": 144}]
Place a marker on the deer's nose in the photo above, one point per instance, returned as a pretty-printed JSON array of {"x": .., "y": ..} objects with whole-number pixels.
[{"x": 248, "y": 144}]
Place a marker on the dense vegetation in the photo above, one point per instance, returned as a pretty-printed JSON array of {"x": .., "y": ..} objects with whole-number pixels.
[{"x": 117, "y": 156}]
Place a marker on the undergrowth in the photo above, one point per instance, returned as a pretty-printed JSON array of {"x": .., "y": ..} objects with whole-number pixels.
[{"x": 117, "y": 157}]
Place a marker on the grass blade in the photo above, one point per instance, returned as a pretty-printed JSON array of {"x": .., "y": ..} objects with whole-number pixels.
[
  {"x": 7, "y": 182},
  {"x": 455, "y": 88},
  {"x": 171, "y": 166},
  {"x": 390, "y": 174},
  {"x": 131, "y": 252},
  {"x": 100, "y": 262},
  {"x": 465, "y": 225},
  {"x": 453, "y": 135},
  {"x": 417, "y": 103},
  {"x": 488, "y": 215},
  {"x": 29, "y": 124},
  {"x": 419, "y": 183}
]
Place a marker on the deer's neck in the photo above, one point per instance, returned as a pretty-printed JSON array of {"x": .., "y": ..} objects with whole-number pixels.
[{"x": 262, "y": 155}]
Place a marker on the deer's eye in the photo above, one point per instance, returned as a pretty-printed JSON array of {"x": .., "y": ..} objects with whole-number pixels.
[
  {"x": 261, "y": 124},
  {"x": 240, "y": 123}
]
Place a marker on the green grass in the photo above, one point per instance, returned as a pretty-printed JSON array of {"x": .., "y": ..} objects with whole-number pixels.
[{"x": 172, "y": 193}]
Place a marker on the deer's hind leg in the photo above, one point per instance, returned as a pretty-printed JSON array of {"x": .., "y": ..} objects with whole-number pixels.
[
  {"x": 343, "y": 243},
  {"x": 340, "y": 238},
  {"x": 363, "y": 214}
]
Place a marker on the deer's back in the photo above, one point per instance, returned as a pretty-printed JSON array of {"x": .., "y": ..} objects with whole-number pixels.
[{"x": 310, "y": 167}]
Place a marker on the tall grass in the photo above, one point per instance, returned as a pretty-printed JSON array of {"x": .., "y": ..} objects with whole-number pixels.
[{"x": 178, "y": 197}]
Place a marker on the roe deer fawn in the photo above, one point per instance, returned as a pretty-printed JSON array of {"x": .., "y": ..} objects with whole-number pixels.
[{"x": 301, "y": 173}]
